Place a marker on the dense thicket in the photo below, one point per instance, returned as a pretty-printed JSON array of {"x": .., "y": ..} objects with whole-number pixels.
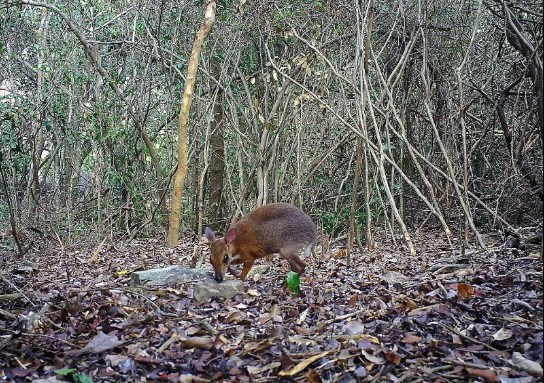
[{"x": 443, "y": 99}]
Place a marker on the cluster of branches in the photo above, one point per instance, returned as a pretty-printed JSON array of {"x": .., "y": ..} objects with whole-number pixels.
[{"x": 365, "y": 113}]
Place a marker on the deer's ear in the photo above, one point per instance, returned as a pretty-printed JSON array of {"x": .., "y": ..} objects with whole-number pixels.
[
  {"x": 210, "y": 235},
  {"x": 231, "y": 235}
]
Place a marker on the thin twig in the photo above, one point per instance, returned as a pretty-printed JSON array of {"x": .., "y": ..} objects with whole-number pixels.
[
  {"x": 473, "y": 340},
  {"x": 19, "y": 290}
]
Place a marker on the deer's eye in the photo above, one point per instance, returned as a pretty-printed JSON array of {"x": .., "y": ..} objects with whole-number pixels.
[{"x": 226, "y": 258}]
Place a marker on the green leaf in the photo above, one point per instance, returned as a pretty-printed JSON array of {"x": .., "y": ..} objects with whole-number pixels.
[
  {"x": 65, "y": 371},
  {"x": 82, "y": 378},
  {"x": 293, "y": 282}
]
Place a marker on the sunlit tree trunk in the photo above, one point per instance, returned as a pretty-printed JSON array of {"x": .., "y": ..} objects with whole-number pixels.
[{"x": 181, "y": 172}]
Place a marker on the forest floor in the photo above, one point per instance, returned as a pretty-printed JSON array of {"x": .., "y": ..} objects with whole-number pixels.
[{"x": 70, "y": 315}]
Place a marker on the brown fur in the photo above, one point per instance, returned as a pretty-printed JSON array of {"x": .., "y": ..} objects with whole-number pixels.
[{"x": 274, "y": 228}]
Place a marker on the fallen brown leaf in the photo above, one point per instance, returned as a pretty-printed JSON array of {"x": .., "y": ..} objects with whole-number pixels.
[
  {"x": 503, "y": 334},
  {"x": 393, "y": 358},
  {"x": 465, "y": 291},
  {"x": 313, "y": 377},
  {"x": 101, "y": 342},
  {"x": 255, "y": 371},
  {"x": 302, "y": 365},
  {"x": 302, "y": 330},
  {"x": 353, "y": 300},
  {"x": 372, "y": 358},
  {"x": 202, "y": 342},
  {"x": 286, "y": 361},
  {"x": 489, "y": 375},
  {"x": 341, "y": 253},
  {"x": 411, "y": 339}
]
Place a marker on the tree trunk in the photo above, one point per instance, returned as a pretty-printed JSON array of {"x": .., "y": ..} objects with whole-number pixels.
[
  {"x": 181, "y": 172},
  {"x": 38, "y": 141},
  {"x": 354, "y": 192},
  {"x": 217, "y": 156},
  {"x": 364, "y": 35}
]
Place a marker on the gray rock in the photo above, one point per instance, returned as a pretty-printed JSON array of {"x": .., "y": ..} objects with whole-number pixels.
[
  {"x": 209, "y": 288},
  {"x": 167, "y": 276}
]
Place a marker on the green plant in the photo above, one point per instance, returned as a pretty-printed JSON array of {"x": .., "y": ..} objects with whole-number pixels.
[
  {"x": 293, "y": 282},
  {"x": 74, "y": 375},
  {"x": 337, "y": 221}
]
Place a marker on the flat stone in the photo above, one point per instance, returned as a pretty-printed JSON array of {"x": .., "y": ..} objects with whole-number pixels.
[
  {"x": 209, "y": 288},
  {"x": 168, "y": 276}
]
